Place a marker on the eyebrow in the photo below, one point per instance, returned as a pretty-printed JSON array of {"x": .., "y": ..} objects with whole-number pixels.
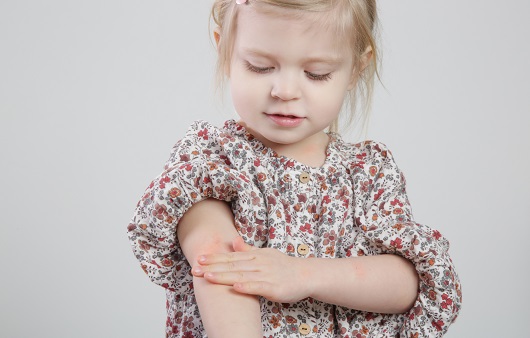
[{"x": 328, "y": 59}]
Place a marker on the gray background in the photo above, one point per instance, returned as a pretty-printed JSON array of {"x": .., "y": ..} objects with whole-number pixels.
[{"x": 93, "y": 94}]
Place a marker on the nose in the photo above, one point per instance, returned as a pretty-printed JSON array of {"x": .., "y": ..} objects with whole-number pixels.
[{"x": 286, "y": 87}]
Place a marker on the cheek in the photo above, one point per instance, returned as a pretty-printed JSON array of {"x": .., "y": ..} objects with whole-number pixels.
[
  {"x": 330, "y": 100},
  {"x": 243, "y": 97},
  {"x": 247, "y": 93}
]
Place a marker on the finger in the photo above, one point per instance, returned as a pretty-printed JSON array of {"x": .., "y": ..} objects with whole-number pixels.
[
  {"x": 229, "y": 278},
  {"x": 258, "y": 288},
  {"x": 225, "y": 258},
  {"x": 239, "y": 266},
  {"x": 239, "y": 245}
]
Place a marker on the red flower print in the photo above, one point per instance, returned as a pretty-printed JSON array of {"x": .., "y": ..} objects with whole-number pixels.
[
  {"x": 398, "y": 226},
  {"x": 432, "y": 295},
  {"x": 364, "y": 186},
  {"x": 438, "y": 324},
  {"x": 396, "y": 202},
  {"x": 330, "y": 250},
  {"x": 302, "y": 198},
  {"x": 174, "y": 193},
  {"x": 186, "y": 166},
  {"x": 418, "y": 310},
  {"x": 397, "y": 243},
  {"x": 204, "y": 134},
  {"x": 275, "y": 321},
  {"x": 160, "y": 211},
  {"x": 330, "y": 237},
  {"x": 357, "y": 334},
  {"x": 162, "y": 182},
  {"x": 167, "y": 262},
  {"x": 398, "y": 211},
  {"x": 255, "y": 198},
  {"x": 257, "y": 162},
  {"x": 131, "y": 227},
  {"x": 378, "y": 194},
  {"x": 290, "y": 248},
  {"x": 144, "y": 245},
  {"x": 290, "y": 319},
  {"x": 446, "y": 301},
  {"x": 306, "y": 228},
  {"x": 312, "y": 209},
  {"x": 436, "y": 234},
  {"x": 372, "y": 170},
  {"x": 262, "y": 177}
]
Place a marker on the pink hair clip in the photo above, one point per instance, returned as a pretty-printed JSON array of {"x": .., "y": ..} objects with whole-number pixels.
[{"x": 240, "y": 2}]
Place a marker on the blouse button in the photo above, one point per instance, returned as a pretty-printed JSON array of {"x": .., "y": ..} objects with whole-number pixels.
[
  {"x": 303, "y": 249},
  {"x": 304, "y": 329},
  {"x": 304, "y": 177}
]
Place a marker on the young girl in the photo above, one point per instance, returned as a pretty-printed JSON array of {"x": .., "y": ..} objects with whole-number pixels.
[{"x": 318, "y": 238}]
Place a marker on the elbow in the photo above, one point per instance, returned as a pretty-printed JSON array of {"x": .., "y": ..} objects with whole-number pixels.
[{"x": 408, "y": 285}]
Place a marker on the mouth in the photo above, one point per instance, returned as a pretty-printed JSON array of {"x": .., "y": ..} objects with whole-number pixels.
[{"x": 285, "y": 120}]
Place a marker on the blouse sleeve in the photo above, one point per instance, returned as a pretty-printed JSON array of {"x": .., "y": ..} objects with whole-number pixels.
[
  {"x": 388, "y": 227},
  {"x": 197, "y": 169}
]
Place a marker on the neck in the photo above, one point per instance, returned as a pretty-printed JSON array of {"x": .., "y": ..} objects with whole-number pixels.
[{"x": 310, "y": 151}]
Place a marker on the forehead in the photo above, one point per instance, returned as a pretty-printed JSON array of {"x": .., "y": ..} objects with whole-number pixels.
[{"x": 288, "y": 32}]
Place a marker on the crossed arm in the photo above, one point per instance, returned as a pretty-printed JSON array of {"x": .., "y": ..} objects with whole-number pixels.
[{"x": 229, "y": 275}]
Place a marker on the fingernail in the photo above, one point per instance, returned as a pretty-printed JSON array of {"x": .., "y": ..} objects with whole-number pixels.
[
  {"x": 202, "y": 259},
  {"x": 208, "y": 275},
  {"x": 197, "y": 270}
]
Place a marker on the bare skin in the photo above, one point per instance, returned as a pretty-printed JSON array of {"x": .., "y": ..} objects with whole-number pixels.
[
  {"x": 208, "y": 228},
  {"x": 229, "y": 275}
]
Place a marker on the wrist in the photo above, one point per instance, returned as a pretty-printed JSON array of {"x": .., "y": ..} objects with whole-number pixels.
[{"x": 308, "y": 274}]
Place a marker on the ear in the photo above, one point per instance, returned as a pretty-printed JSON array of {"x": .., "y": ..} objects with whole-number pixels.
[
  {"x": 366, "y": 57},
  {"x": 217, "y": 37}
]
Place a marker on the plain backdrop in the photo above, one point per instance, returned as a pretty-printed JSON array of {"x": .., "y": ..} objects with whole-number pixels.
[{"x": 93, "y": 94}]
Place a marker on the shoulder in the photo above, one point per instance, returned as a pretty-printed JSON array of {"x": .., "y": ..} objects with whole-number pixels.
[
  {"x": 366, "y": 153},
  {"x": 206, "y": 142},
  {"x": 201, "y": 139}
]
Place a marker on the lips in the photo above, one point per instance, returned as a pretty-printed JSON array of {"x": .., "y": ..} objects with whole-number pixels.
[{"x": 283, "y": 120}]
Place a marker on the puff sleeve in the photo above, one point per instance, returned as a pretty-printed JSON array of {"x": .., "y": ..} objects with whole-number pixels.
[
  {"x": 387, "y": 226},
  {"x": 197, "y": 169}
]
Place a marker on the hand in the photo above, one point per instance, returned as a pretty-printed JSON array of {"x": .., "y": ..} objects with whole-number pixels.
[{"x": 265, "y": 272}]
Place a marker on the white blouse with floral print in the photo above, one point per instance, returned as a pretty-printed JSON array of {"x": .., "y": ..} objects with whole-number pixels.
[{"x": 354, "y": 205}]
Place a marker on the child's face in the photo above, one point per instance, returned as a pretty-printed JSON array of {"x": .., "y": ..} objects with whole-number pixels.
[{"x": 288, "y": 77}]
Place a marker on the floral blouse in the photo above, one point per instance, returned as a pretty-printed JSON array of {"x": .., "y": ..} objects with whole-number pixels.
[{"x": 354, "y": 205}]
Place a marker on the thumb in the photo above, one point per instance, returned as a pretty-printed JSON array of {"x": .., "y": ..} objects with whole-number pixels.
[{"x": 239, "y": 245}]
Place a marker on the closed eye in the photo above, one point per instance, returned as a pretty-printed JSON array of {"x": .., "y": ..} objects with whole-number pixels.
[
  {"x": 265, "y": 70},
  {"x": 318, "y": 77},
  {"x": 259, "y": 70}
]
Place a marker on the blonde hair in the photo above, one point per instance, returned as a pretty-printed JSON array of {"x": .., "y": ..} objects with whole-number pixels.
[{"x": 354, "y": 20}]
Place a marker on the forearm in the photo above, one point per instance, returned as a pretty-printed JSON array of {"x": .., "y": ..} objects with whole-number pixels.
[
  {"x": 382, "y": 283},
  {"x": 208, "y": 227}
]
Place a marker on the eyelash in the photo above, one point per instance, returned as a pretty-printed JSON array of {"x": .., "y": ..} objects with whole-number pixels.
[{"x": 265, "y": 70}]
